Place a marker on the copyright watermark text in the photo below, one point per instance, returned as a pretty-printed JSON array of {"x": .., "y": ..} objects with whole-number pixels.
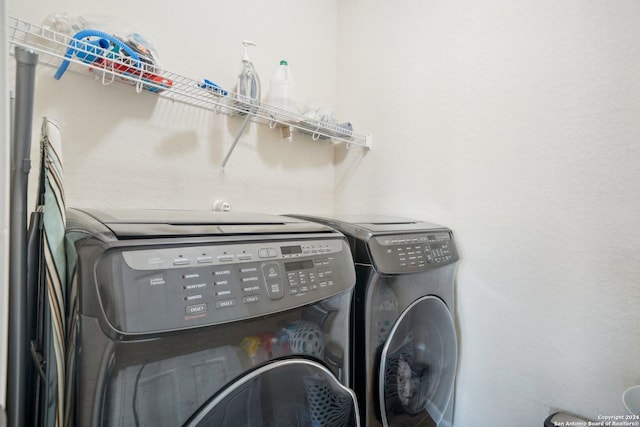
[{"x": 604, "y": 421}]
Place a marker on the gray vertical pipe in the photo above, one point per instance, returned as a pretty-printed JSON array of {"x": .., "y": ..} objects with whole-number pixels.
[{"x": 19, "y": 358}]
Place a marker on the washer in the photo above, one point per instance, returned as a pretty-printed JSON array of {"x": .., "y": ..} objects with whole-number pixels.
[
  {"x": 208, "y": 319},
  {"x": 404, "y": 346}
]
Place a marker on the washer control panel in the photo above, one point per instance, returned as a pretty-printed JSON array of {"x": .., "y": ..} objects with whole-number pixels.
[
  {"x": 169, "y": 288},
  {"x": 402, "y": 253}
]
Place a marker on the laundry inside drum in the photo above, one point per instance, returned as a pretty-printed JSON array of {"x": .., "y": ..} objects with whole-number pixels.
[{"x": 413, "y": 385}]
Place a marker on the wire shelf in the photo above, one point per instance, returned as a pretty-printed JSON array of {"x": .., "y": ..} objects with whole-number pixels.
[{"x": 60, "y": 50}]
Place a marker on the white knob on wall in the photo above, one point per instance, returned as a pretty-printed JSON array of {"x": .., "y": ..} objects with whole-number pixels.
[{"x": 221, "y": 205}]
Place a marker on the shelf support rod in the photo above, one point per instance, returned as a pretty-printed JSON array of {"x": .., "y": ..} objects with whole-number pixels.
[
  {"x": 18, "y": 355},
  {"x": 235, "y": 141}
]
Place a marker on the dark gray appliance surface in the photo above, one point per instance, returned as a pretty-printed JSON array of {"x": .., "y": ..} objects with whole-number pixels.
[
  {"x": 159, "y": 289},
  {"x": 394, "y": 245},
  {"x": 404, "y": 293},
  {"x": 146, "y": 223},
  {"x": 243, "y": 269}
]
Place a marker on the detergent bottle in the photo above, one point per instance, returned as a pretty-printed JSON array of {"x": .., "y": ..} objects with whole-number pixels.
[{"x": 282, "y": 91}]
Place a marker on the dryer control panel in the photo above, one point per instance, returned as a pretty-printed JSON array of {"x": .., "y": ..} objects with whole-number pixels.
[
  {"x": 167, "y": 288},
  {"x": 412, "y": 252}
]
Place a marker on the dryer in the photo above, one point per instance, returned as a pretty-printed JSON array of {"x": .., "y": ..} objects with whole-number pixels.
[
  {"x": 404, "y": 352},
  {"x": 208, "y": 319}
]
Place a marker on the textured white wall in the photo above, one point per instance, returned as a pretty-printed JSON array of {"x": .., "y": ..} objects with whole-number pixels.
[
  {"x": 4, "y": 207},
  {"x": 124, "y": 149},
  {"x": 516, "y": 124}
]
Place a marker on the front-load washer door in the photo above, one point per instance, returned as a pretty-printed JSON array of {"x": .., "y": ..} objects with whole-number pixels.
[
  {"x": 417, "y": 365},
  {"x": 294, "y": 392}
]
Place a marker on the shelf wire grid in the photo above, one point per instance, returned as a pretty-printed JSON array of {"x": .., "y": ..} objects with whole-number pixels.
[{"x": 55, "y": 48}]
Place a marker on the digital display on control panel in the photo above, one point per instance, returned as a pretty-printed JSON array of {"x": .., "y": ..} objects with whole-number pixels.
[
  {"x": 298, "y": 265},
  {"x": 290, "y": 250}
]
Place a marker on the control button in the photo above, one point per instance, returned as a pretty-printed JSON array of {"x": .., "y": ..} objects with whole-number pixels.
[
  {"x": 272, "y": 276},
  {"x": 196, "y": 309},
  {"x": 204, "y": 259},
  {"x": 304, "y": 288},
  {"x": 251, "y": 289},
  {"x": 293, "y": 291},
  {"x": 267, "y": 253},
  {"x": 271, "y": 271},
  {"x": 225, "y": 258},
  {"x": 251, "y": 299},
  {"x": 245, "y": 257},
  {"x": 274, "y": 290},
  {"x": 181, "y": 261},
  {"x": 225, "y": 303}
]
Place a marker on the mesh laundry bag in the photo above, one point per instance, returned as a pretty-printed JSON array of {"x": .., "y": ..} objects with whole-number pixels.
[
  {"x": 306, "y": 338},
  {"x": 327, "y": 407}
]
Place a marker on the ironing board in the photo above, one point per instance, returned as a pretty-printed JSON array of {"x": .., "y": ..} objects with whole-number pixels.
[{"x": 52, "y": 299}]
